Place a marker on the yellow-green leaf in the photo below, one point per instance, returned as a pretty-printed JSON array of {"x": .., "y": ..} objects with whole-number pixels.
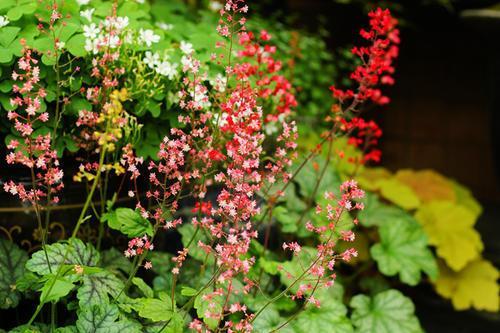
[
  {"x": 369, "y": 178},
  {"x": 450, "y": 228},
  {"x": 428, "y": 185},
  {"x": 398, "y": 193},
  {"x": 475, "y": 286}
]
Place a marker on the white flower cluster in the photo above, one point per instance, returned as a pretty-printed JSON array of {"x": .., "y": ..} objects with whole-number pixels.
[
  {"x": 161, "y": 66},
  {"x": 106, "y": 35}
]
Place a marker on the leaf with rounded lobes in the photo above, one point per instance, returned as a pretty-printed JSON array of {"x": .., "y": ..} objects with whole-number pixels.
[
  {"x": 78, "y": 253},
  {"x": 12, "y": 261},
  {"x": 403, "y": 249},
  {"x": 399, "y": 193},
  {"x": 213, "y": 306},
  {"x": 96, "y": 288},
  {"x": 377, "y": 213},
  {"x": 76, "y": 45},
  {"x": 269, "y": 320},
  {"x": 475, "y": 286},
  {"x": 104, "y": 318},
  {"x": 156, "y": 309},
  {"x": 331, "y": 316},
  {"x": 129, "y": 222},
  {"x": 450, "y": 228},
  {"x": 387, "y": 312},
  {"x": 7, "y": 35}
]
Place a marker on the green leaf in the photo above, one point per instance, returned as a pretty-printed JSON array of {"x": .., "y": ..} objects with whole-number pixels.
[
  {"x": 129, "y": 222},
  {"x": 376, "y": 213},
  {"x": 269, "y": 320},
  {"x": 188, "y": 291},
  {"x": 76, "y": 254},
  {"x": 5, "y": 56},
  {"x": 113, "y": 259},
  {"x": 156, "y": 309},
  {"x": 403, "y": 249},
  {"x": 143, "y": 287},
  {"x": 8, "y": 34},
  {"x": 291, "y": 270},
  {"x": 309, "y": 175},
  {"x": 103, "y": 318},
  {"x": 12, "y": 261},
  {"x": 55, "y": 289},
  {"x": 388, "y": 312},
  {"x": 331, "y": 316},
  {"x": 287, "y": 219},
  {"x": 188, "y": 232},
  {"x": 96, "y": 288},
  {"x": 76, "y": 45},
  {"x": 213, "y": 307}
]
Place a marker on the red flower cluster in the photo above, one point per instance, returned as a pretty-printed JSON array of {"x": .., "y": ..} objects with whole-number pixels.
[
  {"x": 364, "y": 135},
  {"x": 376, "y": 60}
]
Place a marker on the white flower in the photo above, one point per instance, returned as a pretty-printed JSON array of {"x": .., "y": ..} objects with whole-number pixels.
[
  {"x": 91, "y": 45},
  {"x": 87, "y": 14},
  {"x": 83, "y": 2},
  {"x": 167, "y": 69},
  {"x": 164, "y": 26},
  {"x": 121, "y": 23},
  {"x": 215, "y": 6},
  {"x": 3, "y": 21},
  {"x": 140, "y": 1},
  {"x": 60, "y": 45},
  {"x": 220, "y": 82},
  {"x": 91, "y": 31},
  {"x": 151, "y": 59},
  {"x": 186, "y": 48},
  {"x": 113, "y": 42},
  {"x": 148, "y": 37}
]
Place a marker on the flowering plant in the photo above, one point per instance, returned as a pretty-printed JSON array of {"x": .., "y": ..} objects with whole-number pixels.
[{"x": 259, "y": 229}]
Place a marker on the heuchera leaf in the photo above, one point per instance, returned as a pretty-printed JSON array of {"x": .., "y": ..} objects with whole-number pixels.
[
  {"x": 450, "y": 228},
  {"x": 212, "y": 306},
  {"x": 387, "y": 312},
  {"x": 475, "y": 286},
  {"x": 79, "y": 253},
  {"x": 331, "y": 316},
  {"x": 12, "y": 261},
  {"x": 129, "y": 222},
  {"x": 369, "y": 178},
  {"x": 399, "y": 193},
  {"x": 103, "y": 318},
  {"x": 156, "y": 309},
  {"x": 55, "y": 289},
  {"x": 403, "y": 249},
  {"x": 428, "y": 185},
  {"x": 376, "y": 213},
  {"x": 96, "y": 288}
]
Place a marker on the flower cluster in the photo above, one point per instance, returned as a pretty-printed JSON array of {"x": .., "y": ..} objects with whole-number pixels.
[
  {"x": 365, "y": 136},
  {"x": 33, "y": 151},
  {"x": 376, "y": 59},
  {"x": 320, "y": 270}
]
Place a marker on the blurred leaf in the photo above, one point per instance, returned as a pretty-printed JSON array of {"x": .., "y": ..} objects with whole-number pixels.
[
  {"x": 475, "y": 286},
  {"x": 387, "y": 312},
  {"x": 450, "y": 228},
  {"x": 12, "y": 261},
  {"x": 428, "y": 185},
  {"x": 398, "y": 193},
  {"x": 403, "y": 249}
]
